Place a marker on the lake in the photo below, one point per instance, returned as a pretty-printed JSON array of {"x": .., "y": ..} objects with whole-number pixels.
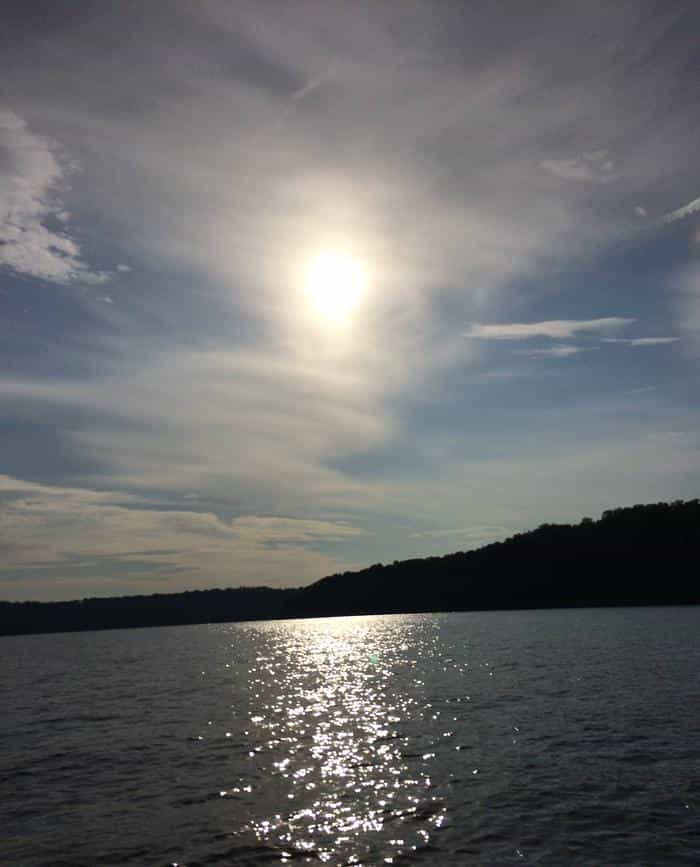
[{"x": 533, "y": 737}]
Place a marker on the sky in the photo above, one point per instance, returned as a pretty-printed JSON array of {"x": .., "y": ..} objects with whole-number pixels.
[{"x": 292, "y": 288}]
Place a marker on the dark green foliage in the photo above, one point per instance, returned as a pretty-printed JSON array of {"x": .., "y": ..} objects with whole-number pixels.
[{"x": 643, "y": 555}]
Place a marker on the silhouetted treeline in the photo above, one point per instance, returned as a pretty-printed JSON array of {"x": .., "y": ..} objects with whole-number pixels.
[
  {"x": 642, "y": 555},
  {"x": 162, "y": 609}
]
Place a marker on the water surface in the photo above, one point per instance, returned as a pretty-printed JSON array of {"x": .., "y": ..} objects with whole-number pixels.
[{"x": 541, "y": 737}]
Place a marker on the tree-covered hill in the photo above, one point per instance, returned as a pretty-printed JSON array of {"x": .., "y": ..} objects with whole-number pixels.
[
  {"x": 161, "y": 609},
  {"x": 643, "y": 555}
]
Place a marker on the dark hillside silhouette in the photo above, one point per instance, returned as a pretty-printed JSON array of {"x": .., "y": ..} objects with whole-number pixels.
[
  {"x": 162, "y": 609},
  {"x": 642, "y": 555}
]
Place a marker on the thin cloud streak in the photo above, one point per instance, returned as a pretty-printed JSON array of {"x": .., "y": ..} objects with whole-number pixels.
[
  {"x": 685, "y": 211},
  {"x": 553, "y": 352},
  {"x": 556, "y": 329},
  {"x": 471, "y": 534},
  {"x": 641, "y": 341}
]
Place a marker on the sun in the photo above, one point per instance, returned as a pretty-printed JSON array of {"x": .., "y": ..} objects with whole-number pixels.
[{"x": 334, "y": 285}]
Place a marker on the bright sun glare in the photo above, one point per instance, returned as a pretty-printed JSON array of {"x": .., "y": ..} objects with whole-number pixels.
[{"x": 334, "y": 286}]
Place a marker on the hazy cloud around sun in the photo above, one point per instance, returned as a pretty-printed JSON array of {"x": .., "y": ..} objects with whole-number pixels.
[{"x": 258, "y": 157}]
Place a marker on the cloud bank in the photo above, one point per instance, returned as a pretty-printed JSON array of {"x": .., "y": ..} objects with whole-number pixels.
[{"x": 52, "y": 534}]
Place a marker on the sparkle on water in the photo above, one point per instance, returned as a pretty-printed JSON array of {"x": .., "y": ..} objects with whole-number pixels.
[{"x": 340, "y": 724}]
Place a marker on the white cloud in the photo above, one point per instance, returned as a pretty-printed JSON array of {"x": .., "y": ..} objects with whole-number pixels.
[
  {"x": 31, "y": 178},
  {"x": 124, "y": 269},
  {"x": 557, "y": 329},
  {"x": 471, "y": 534},
  {"x": 312, "y": 85},
  {"x": 553, "y": 352},
  {"x": 592, "y": 167},
  {"x": 265, "y": 530},
  {"x": 14, "y": 487},
  {"x": 641, "y": 341},
  {"x": 679, "y": 214}
]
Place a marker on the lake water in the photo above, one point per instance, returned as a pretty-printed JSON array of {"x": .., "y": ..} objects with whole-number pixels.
[{"x": 540, "y": 737}]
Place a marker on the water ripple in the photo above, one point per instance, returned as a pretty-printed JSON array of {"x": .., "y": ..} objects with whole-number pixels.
[{"x": 505, "y": 738}]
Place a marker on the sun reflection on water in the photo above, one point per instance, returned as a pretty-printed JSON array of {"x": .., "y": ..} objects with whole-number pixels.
[{"x": 328, "y": 735}]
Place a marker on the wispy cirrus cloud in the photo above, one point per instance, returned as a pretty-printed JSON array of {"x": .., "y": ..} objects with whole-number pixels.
[
  {"x": 276, "y": 530},
  {"x": 641, "y": 341},
  {"x": 642, "y": 389},
  {"x": 33, "y": 240},
  {"x": 237, "y": 422},
  {"x": 352, "y": 99},
  {"x": 680, "y": 213},
  {"x": 553, "y": 351},
  {"x": 473, "y": 535},
  {"x": 557, "y": 329},
  {"x": 595, "y": 167}
]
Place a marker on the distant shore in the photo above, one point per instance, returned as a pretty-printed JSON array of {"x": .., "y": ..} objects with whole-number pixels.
[{"x": 638, "y": 556}]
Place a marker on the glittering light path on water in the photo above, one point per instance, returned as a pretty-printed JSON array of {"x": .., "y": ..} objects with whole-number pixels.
[{"x": 330, "y": 736}]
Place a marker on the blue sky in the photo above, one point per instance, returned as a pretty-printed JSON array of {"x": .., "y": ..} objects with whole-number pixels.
[{"x": 293, "y": 288}]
